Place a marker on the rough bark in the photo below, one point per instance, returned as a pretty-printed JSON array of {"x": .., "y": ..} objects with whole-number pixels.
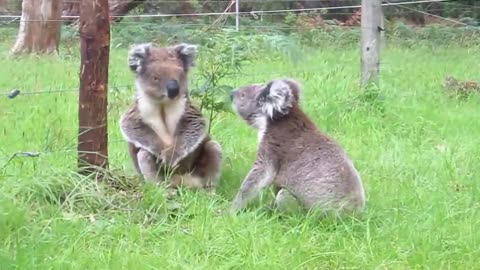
[
  {"x": 92, "y": 111},
  {"x": 3, "y": 6},
  {"x": 39, "y": 30}
]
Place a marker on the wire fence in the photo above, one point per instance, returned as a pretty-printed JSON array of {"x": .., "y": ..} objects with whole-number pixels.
[
  {"x": 277, "y": 11},
  {"x": 12, "y": 94},
  {"x": 17, "y": 92}
]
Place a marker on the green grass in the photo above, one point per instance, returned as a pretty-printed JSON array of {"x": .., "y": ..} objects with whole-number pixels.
[{"x": 417, "y": 152}]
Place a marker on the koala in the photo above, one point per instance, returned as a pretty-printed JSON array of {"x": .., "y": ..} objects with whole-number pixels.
[
  {"x": 293, "y": 156},
  {"x": 166, "y": 134}
]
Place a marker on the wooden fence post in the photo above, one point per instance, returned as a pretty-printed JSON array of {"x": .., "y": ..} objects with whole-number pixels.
[
  {"x": 92, "y": 110},
  {"x": 372, "y": 26}
]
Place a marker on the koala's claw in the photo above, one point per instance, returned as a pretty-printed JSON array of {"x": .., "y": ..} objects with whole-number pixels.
[
  {"x": 166, "y": 156},
  {"x": 163, "y": 156},
  {"x": 159, "y": 160}
]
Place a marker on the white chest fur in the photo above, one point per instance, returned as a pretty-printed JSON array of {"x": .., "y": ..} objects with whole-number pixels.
[
  {"x": 162, "y": 118},
  {"x": 261, "y": 125}
]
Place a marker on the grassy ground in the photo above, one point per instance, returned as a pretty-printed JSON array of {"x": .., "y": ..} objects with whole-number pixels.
[{"x": 417, "y": 152}]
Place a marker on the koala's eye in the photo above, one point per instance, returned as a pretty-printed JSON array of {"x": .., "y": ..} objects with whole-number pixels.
[
  {"x": 242, "y": 95},
  {"x": 156, "y": 79}
]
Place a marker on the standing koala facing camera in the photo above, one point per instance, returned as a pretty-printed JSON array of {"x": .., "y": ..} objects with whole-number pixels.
[
  {"x": 292, "y": 154},
  {"x": 166, "y": 134}
]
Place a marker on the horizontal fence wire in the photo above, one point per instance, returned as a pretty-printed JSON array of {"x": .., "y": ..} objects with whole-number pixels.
[
  {"x": 432, "y": 15},
  {"x": 385, "y": 66},
  {"x": 13, "y": 94},
  {"x": 17, "y": 92},
  {"x": 209, "y": 1},
  {"x": 36, "y": 154},
  {"x": 264, "y": 28},
  {"x": 329, "y": 2},
  {"x": 246, "y": 12}
]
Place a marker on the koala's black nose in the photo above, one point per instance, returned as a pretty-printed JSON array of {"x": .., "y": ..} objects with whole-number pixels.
[{"x": 173, "y": 88}]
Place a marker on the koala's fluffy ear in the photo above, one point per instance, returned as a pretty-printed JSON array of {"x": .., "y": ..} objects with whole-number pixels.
[
  {"x": 276, "y": 98},
  {"x": 186, "y": 52},
  {"x": 294, "y": 88},
  {"x": 137, "y": 56}
]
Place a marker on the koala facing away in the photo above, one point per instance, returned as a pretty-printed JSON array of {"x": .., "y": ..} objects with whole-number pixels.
[
  {"x": 292, "y": 154},
  {"x": 165, "y": 132}
]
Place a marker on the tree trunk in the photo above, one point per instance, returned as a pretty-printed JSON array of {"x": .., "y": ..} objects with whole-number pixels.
[
  {"x": 92, "y": 105},
  {"x": 3, "y": 6},
  {"x": 39, "y": 30}
]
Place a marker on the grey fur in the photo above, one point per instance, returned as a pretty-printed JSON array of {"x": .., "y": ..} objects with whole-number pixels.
[
  {"x": 292, "y": 154},
  {"x": 187, "y": 52},
  {"x": 137, "y": 55},
  {"x": 191, "y": 159}
]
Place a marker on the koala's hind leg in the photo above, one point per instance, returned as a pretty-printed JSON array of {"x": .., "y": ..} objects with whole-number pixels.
[
  {"x": 133, "y": 152},
  {"x": 276, "y": 189},
  {"x": 148, "y": 166},
  {"x": 285, "y": 201},
  {"x": 208, "y": 165}
]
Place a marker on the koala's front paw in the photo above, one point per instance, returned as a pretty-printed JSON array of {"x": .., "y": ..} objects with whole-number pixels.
[
  {"x": 236, "y": 205},
  {"x": 166, "y": 155},
  {"x": 159, "y": 160}
]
